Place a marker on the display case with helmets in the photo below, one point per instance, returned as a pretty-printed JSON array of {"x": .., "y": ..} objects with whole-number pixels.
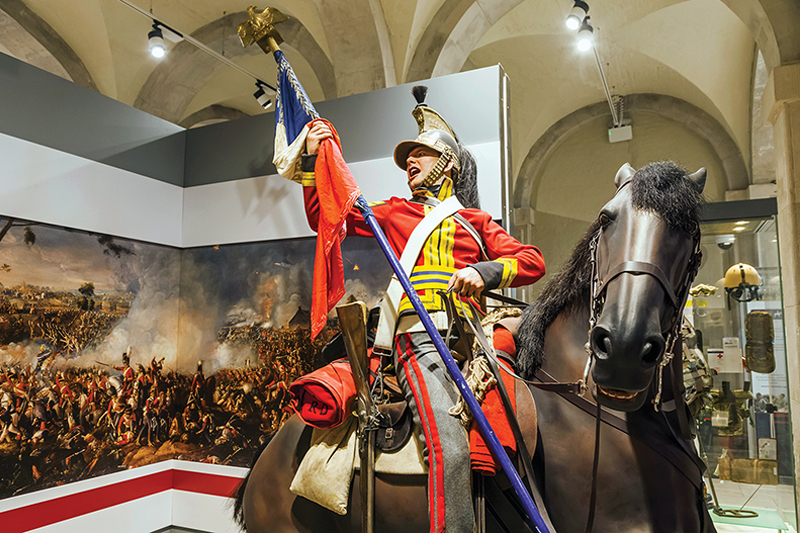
[{"x": 736, "y": 312}]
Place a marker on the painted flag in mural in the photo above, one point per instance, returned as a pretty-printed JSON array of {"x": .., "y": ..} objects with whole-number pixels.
[{"x": 336, "y": 188}]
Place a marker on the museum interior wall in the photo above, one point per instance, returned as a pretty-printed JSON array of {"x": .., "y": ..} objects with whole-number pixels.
[{"x": 562, "y": 218}]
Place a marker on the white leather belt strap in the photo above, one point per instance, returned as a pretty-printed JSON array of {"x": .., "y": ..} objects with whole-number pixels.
[
  {"x": 394, "y": 292},
  {"x": 411, "y": 323}
]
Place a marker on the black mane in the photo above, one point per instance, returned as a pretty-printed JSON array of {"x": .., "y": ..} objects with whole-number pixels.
[
  {"x": 566, "y": 291},
  {"x": 663, "y": 188}
]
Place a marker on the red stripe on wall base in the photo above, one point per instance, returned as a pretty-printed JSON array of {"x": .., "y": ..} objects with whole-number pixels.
[
  {"x": 89, "y": 501},
  {"x": 202, "y": 484}
]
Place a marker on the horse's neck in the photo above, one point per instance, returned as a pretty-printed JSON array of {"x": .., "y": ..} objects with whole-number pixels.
[
  {"x": 564, "y": 345},
  {"x": 637, "y": 473}
]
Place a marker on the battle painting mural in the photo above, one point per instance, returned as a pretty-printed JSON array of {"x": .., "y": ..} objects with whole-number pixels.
[{"x": 117, "y": 353}]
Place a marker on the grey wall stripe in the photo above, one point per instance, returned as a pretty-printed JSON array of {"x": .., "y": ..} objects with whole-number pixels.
[
  {"x": 369, "y": 124},
  {"x": 42, "y": 108},
  {"x": 45, "y": 109}
]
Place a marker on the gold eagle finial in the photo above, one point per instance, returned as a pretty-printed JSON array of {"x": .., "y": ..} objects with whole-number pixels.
[{"x": 260, "y": 28}]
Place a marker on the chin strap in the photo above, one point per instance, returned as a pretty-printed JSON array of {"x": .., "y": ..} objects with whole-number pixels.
[{"x": 436, "y": 171}]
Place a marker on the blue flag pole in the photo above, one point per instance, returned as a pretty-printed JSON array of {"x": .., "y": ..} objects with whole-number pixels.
[{"x": 533, "y": 517}]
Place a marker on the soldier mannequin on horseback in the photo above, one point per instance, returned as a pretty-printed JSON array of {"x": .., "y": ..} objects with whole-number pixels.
[
  {"x": 462, "y": 251},
  {"x": 629, "y": 276}
]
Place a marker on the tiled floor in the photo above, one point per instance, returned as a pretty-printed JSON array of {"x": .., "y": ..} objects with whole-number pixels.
[
  {"x": 777, "y": 497},
  {"x": 731, "y": 496},
  {"x": 727, "y": 528}
]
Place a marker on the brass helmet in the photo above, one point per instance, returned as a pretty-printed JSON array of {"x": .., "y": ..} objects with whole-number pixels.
[
  {"x": 439, "y": 140},
  {"x": 434, "y": 132},
  {"x": 741, "y": 283}
]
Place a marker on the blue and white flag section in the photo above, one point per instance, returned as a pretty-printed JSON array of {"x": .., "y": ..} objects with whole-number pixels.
[{"x": 293, "y": 110}]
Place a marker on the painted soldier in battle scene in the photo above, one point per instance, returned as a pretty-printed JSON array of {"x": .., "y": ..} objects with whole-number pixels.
[{"x": 467, "y": 252}]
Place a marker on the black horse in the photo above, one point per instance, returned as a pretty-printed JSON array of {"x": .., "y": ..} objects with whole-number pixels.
[
  {"x": 647, "y": 479},
  {"x": 623, "y": 291}
]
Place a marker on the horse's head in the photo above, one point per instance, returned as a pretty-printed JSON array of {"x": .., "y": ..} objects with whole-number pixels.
[{"x": 647, "y": 252}]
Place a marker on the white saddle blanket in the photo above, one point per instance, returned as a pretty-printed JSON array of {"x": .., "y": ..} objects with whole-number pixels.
[{"x": 326, "y": 472}]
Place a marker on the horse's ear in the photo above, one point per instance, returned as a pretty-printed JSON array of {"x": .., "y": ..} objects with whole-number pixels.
[
  {"x": 624, "y": 174},
  {"x": 699, "y": 178}
]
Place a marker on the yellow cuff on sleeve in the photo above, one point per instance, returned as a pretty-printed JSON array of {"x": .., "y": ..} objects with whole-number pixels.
[{"x": 308, "y": 179}]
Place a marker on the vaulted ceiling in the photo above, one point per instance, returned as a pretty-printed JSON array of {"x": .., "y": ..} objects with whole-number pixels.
[{"x": 699, "y": 52}]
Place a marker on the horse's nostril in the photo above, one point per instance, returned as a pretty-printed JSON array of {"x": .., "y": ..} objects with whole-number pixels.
[
  {"x": 601, "y": 342},
  {"x": 607, "y": 343},
  {"x": 651, "y": 350}
]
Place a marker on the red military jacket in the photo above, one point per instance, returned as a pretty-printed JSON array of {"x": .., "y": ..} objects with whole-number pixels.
[{"x": 449, "y": 247}]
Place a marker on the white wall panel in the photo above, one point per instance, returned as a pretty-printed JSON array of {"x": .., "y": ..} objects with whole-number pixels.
[
  {"x": 271, "y": 208},
  {"x": 144, "y": 515},
  {"x": 46, "y": 185},
  {"x": 203, "y": 512}
]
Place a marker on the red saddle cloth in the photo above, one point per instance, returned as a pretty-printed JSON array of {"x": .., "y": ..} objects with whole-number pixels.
[{"x": 480, "y": 456}]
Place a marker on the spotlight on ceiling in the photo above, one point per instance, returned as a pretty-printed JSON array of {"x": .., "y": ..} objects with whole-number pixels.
[
  {"x": 156, "y": 40},
  {"x": 262, "y": 96},
  {"x": 577, "y": 14},
  {"x": 585, "y": 35}
]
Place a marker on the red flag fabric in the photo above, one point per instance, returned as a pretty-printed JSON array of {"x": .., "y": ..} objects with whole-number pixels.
[{"x": 337, "y": 191}]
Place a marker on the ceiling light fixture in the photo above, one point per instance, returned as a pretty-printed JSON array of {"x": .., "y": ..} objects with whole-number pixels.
[
  {"x": 262, "y": 96},
  {"x": 577, "y": 14},
  {"x": 174, "y": 35},
  {"x": 156, "y": 39},
  {"x": 585, "y": 42},
  {"x": 585, "y": 35}
]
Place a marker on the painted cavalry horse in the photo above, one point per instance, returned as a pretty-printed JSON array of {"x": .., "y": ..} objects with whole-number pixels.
[{"x": 640, "y": 256}]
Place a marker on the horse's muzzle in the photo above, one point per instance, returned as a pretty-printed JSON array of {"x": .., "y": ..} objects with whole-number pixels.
[{"x": 624, "y": 365}]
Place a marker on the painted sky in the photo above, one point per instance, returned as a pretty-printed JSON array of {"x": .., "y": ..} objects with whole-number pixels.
[{"x": 63, "y": 260}]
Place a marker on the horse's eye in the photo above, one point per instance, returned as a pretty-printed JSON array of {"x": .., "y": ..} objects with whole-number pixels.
[{"x": 605, "y": 220}]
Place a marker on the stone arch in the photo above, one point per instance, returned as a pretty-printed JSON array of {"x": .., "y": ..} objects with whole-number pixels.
[
  {"x": 782, "y": 17},
  {"x": 176, "y": 80},
  {"x": 451, "y": 35},
  {"x": 434, "y": 37},
  {"x": 773, "y": 24},
  {"x": 694, "y": 118},
  {"x": 754, "y": 16},
  {"x": 467, "y": 32},
  {"x": 382, "y": 28},
  {"x": 211, "y": 115},
  {"x": 54, "y": 46},
  {"x": 356, "y": 45}
]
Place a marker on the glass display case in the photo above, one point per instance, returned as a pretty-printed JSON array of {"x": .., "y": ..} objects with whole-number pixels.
[{"x": 736, "y": 309}]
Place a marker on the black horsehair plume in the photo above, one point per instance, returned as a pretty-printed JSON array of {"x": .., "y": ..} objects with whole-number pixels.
[
  {"x": 466, "y": 186},
  {"x": 420, "y": 92},
  {"x": 663, "y": 188}
]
